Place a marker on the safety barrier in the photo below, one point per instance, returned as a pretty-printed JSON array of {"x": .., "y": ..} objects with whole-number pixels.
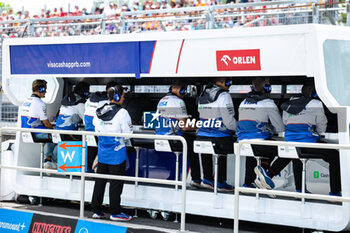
[
  {"x": 83, "y": 175},
  {"x": 239, "y": 189}
]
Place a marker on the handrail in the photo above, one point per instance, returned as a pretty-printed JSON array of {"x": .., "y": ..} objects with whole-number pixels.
[
  {"x": 82, "y": 174},
  {"x": 239, "y": 189}
]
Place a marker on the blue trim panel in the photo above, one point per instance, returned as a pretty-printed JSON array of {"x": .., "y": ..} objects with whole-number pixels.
[{"x": 82, "y": 58}]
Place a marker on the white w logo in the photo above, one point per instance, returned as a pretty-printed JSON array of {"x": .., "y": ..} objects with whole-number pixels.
[{"x": 64, "y": 157}]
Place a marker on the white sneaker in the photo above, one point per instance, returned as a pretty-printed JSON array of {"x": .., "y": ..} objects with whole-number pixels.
[{"x": 50, "y": 165}]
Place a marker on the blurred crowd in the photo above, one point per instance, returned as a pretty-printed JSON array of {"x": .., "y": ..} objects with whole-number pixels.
[{"x": 194, "y": 20}]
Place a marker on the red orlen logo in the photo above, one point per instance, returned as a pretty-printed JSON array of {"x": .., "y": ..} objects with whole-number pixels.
[{"x": 227, "y": 60}]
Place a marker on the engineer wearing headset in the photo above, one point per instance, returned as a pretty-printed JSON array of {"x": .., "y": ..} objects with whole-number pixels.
[
  {"x": 259, "y": 118},
  {"x": 305, "y": 120},
  {"x": 112, "y": 154},
  {"x": 215, "y": 104},
  {"x": 33, "y": 115},
  {"x": 72, "y": 110},
  {"x": 96, "y": 100},
  {"x": 173, "y": 110}
]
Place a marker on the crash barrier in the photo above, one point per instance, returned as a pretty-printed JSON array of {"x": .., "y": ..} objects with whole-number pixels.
[
  {"x": 83, "y": 175},
  {"x": 241, "y": 149}
]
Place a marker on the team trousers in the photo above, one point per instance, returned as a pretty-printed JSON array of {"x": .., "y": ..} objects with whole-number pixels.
[
  {"x": 115, "y": 189},
  {"x": 223, "y": 146},
  {"x": 329, "y": 155}
]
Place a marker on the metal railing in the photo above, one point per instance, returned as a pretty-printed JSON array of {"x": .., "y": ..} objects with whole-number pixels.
[
  {"x": 239, "y": 189},
  {"x": 175, "y": 19},
  {"x": 83, "y": 175}
]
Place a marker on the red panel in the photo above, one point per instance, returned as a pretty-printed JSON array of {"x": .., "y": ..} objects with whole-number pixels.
[{"x": 227, "y": 60}]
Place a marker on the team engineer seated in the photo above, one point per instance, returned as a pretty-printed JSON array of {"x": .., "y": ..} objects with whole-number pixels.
[{"x": 305, "y": 120}]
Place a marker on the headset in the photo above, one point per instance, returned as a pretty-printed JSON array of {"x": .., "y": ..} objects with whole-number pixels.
[
  {"x": 183, "y": 90},
  {"x": 228, "y": 82},
  {"x": 267, "y": 88},
  {"x": 115, "y": 94},
  {"x": 42, "y": 89}
]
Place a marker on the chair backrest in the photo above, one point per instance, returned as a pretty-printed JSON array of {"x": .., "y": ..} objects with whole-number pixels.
[
  {"x": 288, "y": 152},
  {"x": 162, "y": 145},
  {"x": 203, "y": 147},
  {"x": 56, "y": 137},
  {"x": 91, "y": 140},
  {"x": 27, "y": 137},
  {"x": 246, "y": 150}
]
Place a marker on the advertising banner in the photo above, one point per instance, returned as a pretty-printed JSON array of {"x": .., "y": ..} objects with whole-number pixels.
[
  {"x": 69, "y": 156},
  {"x": 82, "y": 58},
  {"x": 50, "y": 224},
  {"x": 14, "y": 221}
]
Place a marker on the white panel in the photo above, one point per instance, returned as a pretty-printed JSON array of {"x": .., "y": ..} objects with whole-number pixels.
[
  {"x": 162, "y": 145},
  {"x": 56, "y": 137},
  {"x": 203, "y": 147},
  {"x": 246, "y": 150},
  {"x": 287, "y": 58},
  {"x": 287, "y": 152},
  {"x": 165, "y": 57},
  {"x": 27, "y": 137},
  {"x": 91, "y": 141}
]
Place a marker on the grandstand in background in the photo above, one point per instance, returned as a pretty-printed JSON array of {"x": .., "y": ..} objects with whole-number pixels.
[{"x": 148, "y": 16}]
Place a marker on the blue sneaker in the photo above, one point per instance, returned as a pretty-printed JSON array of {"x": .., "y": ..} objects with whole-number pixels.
[
  {"x": 306, "y": 191},
  {"x": 339, "y": 194},
  {"x": 120, "y": 217},
  {"x": 252, "y": 185},
  {"x": 224, "y": 187},
  {"x": 98, "y": 215},
  {"x": 209, "y": 184},
  {"x": 264, "y": 179},
  {"x": 259, "y": 185}
]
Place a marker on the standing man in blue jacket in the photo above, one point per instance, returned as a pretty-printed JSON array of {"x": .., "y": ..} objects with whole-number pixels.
[
  {"x": 216, "y": 106},
  {"x": 112, "y": 154},
  {"x": 96, "y": 100}
]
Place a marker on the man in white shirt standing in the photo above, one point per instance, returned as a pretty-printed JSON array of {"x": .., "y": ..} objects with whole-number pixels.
[
  {"x": 112, "y": 154},
  {"x": 96, "y": 100}
]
